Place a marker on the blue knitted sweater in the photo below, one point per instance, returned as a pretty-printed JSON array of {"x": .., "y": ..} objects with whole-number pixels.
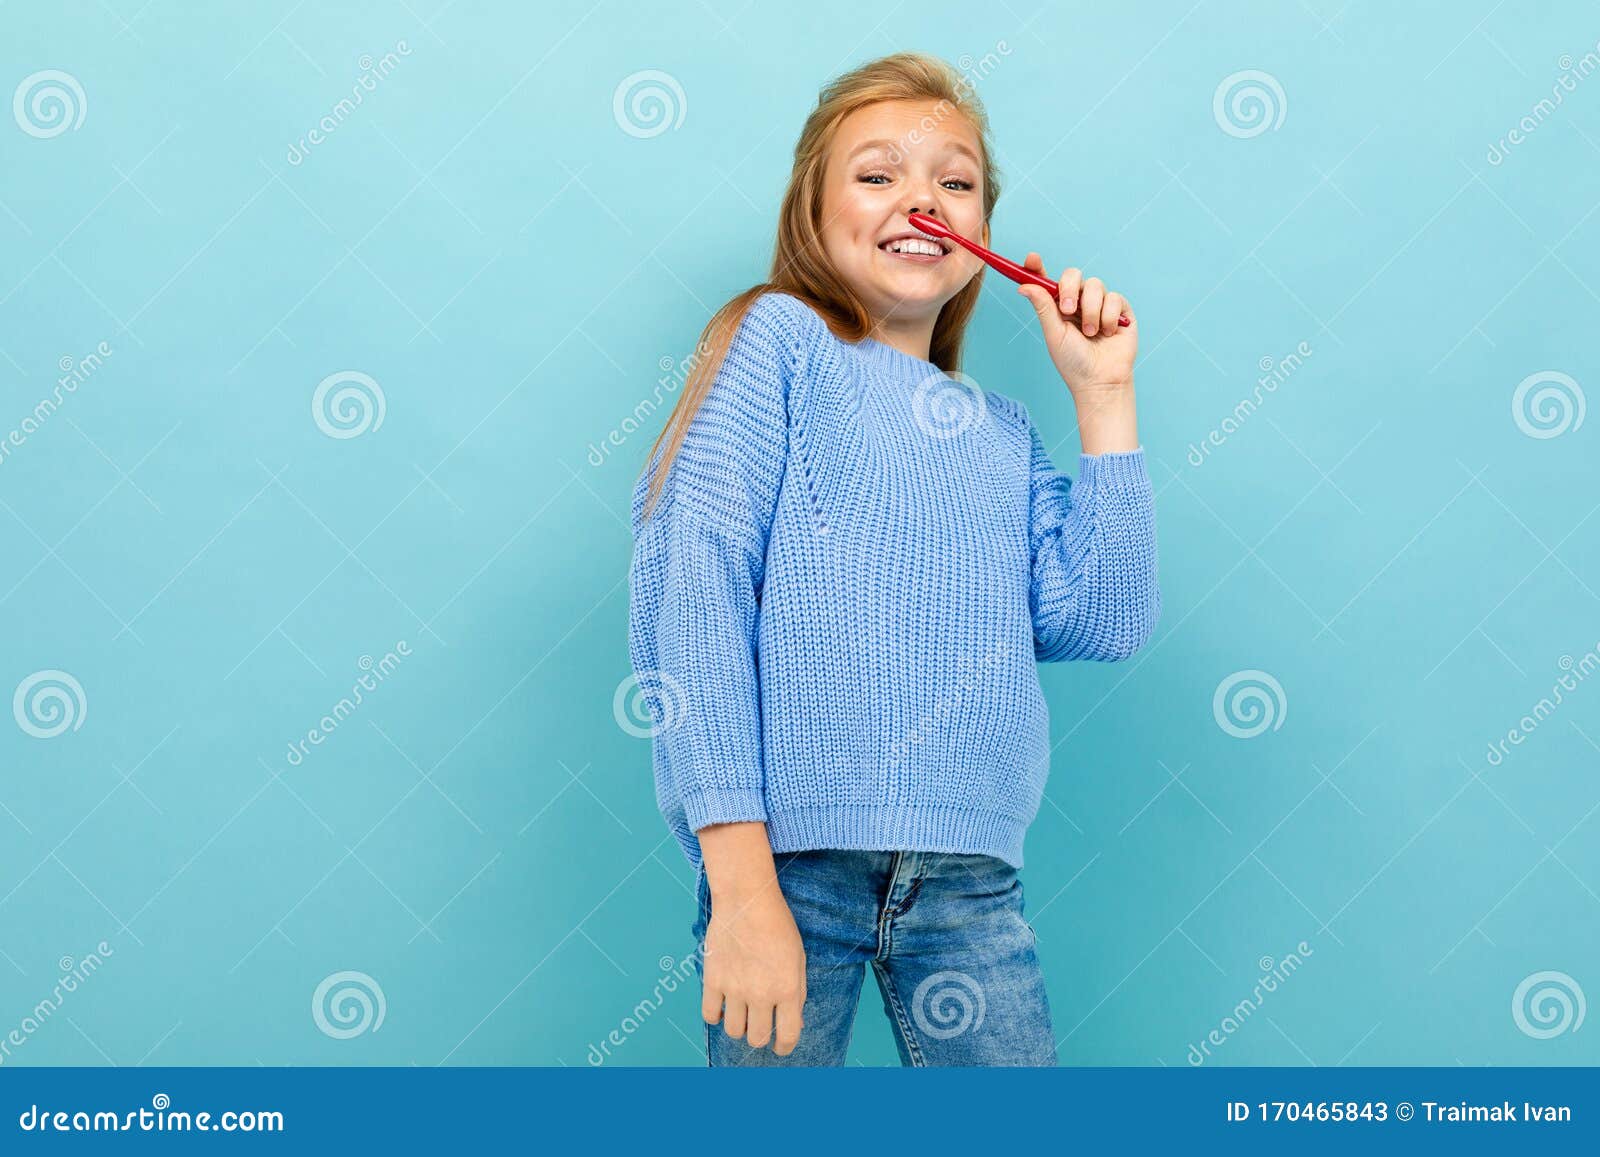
[{"x": 839, "y": 600}]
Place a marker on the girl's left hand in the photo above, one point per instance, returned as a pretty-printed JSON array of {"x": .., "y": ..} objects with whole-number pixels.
[{"x": 1091, "y": 352}]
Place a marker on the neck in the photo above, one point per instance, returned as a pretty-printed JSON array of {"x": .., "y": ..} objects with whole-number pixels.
[{"x": 910, "y": 336}]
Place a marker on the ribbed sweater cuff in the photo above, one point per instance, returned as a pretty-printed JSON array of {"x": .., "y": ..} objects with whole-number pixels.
[
  {"x": 724, "y": 806},
  {"x": 1118, "y": 468}
]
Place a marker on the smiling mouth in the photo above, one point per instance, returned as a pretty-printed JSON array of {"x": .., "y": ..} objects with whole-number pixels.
[{"x": 915, "y": 247}]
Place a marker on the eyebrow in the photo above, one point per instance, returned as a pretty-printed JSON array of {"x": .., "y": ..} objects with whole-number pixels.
[{"x": 950, "y": 146}]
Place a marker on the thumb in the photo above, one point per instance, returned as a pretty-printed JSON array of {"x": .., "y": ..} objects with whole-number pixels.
[
  {"x": 1043, "y": 304},
  {"x": 1056, "y": 330}
]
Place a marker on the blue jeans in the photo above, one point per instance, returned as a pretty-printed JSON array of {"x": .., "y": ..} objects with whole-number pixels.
[{"x": 945, "y": 936}]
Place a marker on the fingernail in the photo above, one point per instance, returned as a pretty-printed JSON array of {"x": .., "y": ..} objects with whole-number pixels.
[{"x": 1072, "y": 304}]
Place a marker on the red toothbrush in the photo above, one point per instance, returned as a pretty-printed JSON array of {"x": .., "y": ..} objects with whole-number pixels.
[{"x": 1017, "y": 273}]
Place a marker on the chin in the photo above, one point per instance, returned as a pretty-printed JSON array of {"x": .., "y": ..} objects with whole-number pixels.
[{"x": 912, "y": 300}]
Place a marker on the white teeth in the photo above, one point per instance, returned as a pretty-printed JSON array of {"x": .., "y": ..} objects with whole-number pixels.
[{"x": 916, "y": 245}]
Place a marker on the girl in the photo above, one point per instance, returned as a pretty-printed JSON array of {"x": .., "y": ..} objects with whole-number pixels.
[{"x": 848, "y": 560}]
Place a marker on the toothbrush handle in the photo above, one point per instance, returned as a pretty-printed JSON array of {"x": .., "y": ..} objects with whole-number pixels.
[{"x": 1017, "y": 273}]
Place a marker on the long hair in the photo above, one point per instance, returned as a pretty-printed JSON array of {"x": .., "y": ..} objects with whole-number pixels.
[{"x": 800, "y": 265}]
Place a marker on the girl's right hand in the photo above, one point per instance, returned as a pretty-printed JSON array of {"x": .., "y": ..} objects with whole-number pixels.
[
  {"x": 755, "y": 964},
  {"x": 1093, "y": 354}
]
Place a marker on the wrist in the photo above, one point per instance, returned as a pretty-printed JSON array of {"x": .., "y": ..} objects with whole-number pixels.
[
  {"x": 738, "y": 862},
  {"x": 1103, "y": 391},
  {"x": 1107, "y": 419},
  {"x": 747, "y": 893}
]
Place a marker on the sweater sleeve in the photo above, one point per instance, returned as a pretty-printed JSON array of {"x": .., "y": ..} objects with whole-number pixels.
[
  {"x": 695, "y": 584},
  {"x": 1095, "y": 592}
]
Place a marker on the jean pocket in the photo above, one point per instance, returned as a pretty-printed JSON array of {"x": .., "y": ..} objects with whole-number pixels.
[{"x": 992, "y": 875}]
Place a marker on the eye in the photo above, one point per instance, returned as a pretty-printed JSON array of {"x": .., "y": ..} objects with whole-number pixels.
[
  {"x": 872, "y": 178},
  {"x": 959, "y": 182}
]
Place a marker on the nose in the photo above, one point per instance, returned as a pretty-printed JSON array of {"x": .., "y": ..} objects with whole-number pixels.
[{"x": 922, "y": 194}]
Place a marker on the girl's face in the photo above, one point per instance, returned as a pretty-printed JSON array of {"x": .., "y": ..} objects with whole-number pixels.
[{"x": 887, "y": 160}]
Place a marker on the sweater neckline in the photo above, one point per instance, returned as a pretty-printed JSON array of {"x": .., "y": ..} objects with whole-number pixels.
[{"x": 896, "y": 363}]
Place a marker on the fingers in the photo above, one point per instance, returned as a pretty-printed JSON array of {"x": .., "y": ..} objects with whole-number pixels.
[
  {"x": 1092, "y": 300},
  {"x": 1098, "y": 309},
  {"x": 759, "y": 1022},
  {"x": 1071, "y": 286},
  {"x": 789, "y": 1026},
  {"x": 758, "y": 1025},
  {"x": 734, "y": 1019},
  {"x": 1113, "y": 308},
  {"x": 1048, "y": 309}
]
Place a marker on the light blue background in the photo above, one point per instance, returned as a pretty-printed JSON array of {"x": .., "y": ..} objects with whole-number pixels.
[{"x": 484, "y": 240}]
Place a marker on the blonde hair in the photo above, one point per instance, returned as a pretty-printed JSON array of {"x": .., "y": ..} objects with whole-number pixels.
[{"x": 800, "y": 265}]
